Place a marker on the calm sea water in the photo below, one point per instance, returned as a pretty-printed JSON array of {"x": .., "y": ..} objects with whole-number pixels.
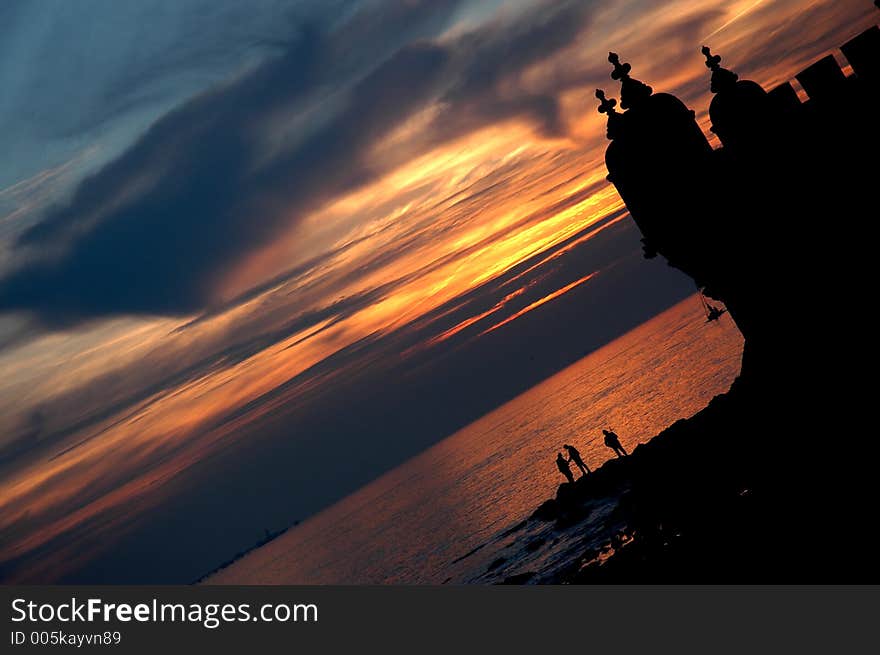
[{"x": 454, "y": 513}]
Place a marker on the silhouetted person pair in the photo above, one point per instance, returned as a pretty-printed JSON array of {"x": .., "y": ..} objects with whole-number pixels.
[
  {"x": 562, "y": 465},
  {"x": 575, "y": 456},
  {"x": 613, "y": 442}
]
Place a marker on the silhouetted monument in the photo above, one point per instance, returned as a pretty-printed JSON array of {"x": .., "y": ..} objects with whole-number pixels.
[
  {"x": 775, "y": 224},
  {"x": 741, "y": 112},
  {"x": 751, "y": 222}
]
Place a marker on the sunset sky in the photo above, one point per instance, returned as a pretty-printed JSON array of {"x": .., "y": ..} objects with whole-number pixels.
[{"x": 253, "y": 254}]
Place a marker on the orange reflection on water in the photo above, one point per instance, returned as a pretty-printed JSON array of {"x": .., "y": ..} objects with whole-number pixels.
[{"x": 413, "y": 523}]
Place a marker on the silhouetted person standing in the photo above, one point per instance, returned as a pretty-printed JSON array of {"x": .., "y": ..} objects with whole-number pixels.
[
  {"x": 613, "y": 442},
  {"x": 575, "y": 456},
  {"x": 562, "y": 465}
]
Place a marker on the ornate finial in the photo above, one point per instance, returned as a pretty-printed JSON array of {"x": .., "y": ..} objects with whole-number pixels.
[
  {"x": 632, "y": 92},
  {"x": 713, "y": 62},
  {"x": 606, "y": 105},
  {"x": 620, "y": 71},
  {"x": 721, "y": 77},
  {"x": 615, "y": 119}
]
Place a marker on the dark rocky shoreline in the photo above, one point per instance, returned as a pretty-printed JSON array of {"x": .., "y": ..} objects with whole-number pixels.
[{"x": 710, "y": 501}]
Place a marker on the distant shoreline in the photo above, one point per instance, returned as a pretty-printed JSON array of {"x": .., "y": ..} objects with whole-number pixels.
[{"x": 269, "y": 536}]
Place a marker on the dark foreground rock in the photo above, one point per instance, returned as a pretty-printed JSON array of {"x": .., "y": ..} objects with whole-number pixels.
[{"x": 723, "y": 497}]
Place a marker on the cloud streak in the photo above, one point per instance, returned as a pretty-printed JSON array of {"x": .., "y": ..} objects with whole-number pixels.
[{"x": 157, "y": 230}]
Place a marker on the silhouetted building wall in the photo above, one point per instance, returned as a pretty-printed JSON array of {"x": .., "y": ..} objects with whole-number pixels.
[
  {"x": 862, "y": 53},
  {"x": 823, "y": 80},
  {"x": 784, "y": 98},
  {"x": 743, "y": 221}
]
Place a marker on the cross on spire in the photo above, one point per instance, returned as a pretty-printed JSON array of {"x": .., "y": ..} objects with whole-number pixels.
[
  {"x": 721, "y": 77},
  {"x": 632, "y": 91},
  {"x": 606, "y": 105},
  {"x": 620, "y": 71},
  {"x": 713, "y": 62}
]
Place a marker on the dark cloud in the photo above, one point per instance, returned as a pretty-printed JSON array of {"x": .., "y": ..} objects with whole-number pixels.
[
  {"x": 156, "y": 231},
  {"x": 498, "y": 53},
  {"x": 153, "y": 231},
  {"x": 97, "y": 73}
]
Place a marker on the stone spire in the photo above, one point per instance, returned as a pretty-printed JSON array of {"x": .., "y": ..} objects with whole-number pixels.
[
  {"x": 722, "y": 79},
  {"x": 632, "y": 91},
  {"x": 740, "y": 111},
  {"x": 609, "y": 106}
]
